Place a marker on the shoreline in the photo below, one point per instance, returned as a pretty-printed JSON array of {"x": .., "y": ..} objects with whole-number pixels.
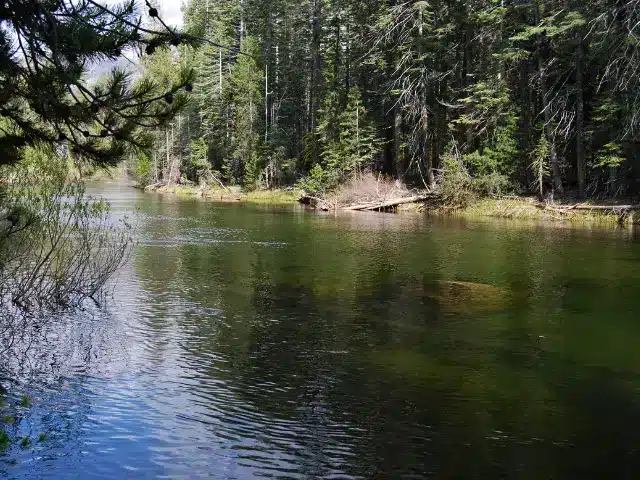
[
  {"x": 527, "y": 208},
  {"x": 516, "y": 208},
  {"x": 280, "y": 196}
]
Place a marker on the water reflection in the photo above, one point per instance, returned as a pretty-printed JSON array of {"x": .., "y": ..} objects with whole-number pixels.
[{"x": 245, "y": 341}]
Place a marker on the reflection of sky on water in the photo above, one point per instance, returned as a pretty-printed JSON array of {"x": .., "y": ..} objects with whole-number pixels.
[
  {"x": 273, "y": 341},
  {"x": 118, "y": 398}
]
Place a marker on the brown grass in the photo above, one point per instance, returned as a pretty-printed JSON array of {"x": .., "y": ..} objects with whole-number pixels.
[{"x": 367, "y": 187}]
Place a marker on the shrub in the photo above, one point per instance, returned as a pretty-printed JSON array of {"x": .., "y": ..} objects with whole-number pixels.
[
  {"x": 454, "y": 183},
  {"x": 368, "y": 187},
  {"x": 58, "y": 247}
]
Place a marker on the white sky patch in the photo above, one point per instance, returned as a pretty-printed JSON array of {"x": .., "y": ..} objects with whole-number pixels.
[
  {"x": 170, "y": 10},
  {"x": 171, "y": 13}
]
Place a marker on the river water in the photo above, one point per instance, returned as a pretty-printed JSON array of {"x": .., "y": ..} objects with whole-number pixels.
[{"x": 251, "y": 341}]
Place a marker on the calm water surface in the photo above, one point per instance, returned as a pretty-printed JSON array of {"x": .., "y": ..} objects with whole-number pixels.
[{"x": 248, "y": 341}]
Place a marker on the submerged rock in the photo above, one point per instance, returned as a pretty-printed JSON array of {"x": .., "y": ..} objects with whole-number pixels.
[{"x": 454, "y": 296}]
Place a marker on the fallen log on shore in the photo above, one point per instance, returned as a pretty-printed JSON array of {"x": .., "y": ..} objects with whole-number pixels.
[
  {"x": 597, "y": 208},
  {"x": 390, "y": 203},
  {"x": 324, "y": 205},
  {"x": 621, "y": 211},
  {"x": 154, "y": 186},
  {"x": 613, "y": 208},
  {"x": 316, "y": 202}
]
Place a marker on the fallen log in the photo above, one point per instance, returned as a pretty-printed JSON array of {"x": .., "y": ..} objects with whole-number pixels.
[
  {"x": 154, "y": 186},
  {"x": 613, "y": 208},
  {"x": 361, "y": 206},
  {"x": 316, "y": 202},
  {"x": 623, "y": 212},
  {"x": 391, "y": 203},
  {"x": 601, "y": 208}
]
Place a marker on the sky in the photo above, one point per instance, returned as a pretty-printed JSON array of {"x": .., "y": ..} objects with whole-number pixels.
[{"x": 170, "y": 12}]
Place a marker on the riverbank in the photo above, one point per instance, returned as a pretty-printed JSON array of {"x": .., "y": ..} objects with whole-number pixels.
[
  {"x": 528, "y": 208},
  {"x": 519, "y": 208},
  {"x": 231, "y": 194}
]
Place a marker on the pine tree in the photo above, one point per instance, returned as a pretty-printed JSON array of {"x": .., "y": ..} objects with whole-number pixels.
[
  {"x": 488, "y": 76},
  {"x": 45, "y": 97}
]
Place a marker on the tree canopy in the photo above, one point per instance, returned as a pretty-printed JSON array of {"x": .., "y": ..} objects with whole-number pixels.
[
  {"x": 46, "y": 98},
  {"x": 522, "y": 95}
]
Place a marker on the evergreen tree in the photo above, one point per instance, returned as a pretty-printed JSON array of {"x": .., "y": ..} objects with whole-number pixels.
[
  {"x": 45, "y": 47},
  {"x": 277, "y": 86}
]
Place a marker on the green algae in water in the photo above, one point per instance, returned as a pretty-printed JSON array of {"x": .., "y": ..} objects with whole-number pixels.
[
  {"x": 7, "y": 419},
  {"x": 5, "y": 441}
]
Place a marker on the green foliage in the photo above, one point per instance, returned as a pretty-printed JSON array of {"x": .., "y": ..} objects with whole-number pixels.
[
  {"x": 347, "y": 140},
  {"x": 246, "y": 83},
  {"x": 57, "y": 247},
  {"x": 143, "y": 168},
  {"x": 5, "y": 440},
  {"x": 609, "y": 156},
  {"x": 539, "y": 164},
  {"x": 46, "y": 100},
  {"x": 321, "y": 91},
  {"x": 455, "y": 184},
  {"x": 498, "y": 152},
  {"x": 357, "y": 144},
  {"x": 320, "y": 181}
]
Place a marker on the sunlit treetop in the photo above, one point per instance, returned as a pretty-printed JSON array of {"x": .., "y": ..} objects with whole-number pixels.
[{"x": 46, "y": 99}]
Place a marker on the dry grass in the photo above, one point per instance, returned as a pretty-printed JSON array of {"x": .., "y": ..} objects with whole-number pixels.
[{"x": 368, "y": 187}]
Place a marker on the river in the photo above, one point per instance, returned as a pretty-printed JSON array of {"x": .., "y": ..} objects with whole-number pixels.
[{"x": 257, "y": 341}]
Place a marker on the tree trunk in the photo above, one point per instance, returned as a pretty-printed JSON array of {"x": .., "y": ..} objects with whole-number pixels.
[
  {"x": 426, "y": 154},
  {"x": 315, "y": 63},
  {"x": 164, "y": 170},
  {"x": 347, "y": 60},
  {"x": 397, "y": 142},
  {"x": 553, "y": 157},
  {"x": 242, "y": 26},
  {"x": 580, "y": 160},
  {"x": 267, "y": 64}
]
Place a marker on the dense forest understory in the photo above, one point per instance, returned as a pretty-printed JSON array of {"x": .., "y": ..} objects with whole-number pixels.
[{"x": 474, "y": 98}]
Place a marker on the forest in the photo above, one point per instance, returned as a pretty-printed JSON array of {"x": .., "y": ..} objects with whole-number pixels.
[{"x": 493, "y": 97}]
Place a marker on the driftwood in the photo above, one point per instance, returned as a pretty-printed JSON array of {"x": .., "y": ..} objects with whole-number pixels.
[
  {"x": 324, "y": 205},
  {"x": 361, "y": 206},
  {"x": 316, "y": 202},
  {"x": 621, "y": 211},
  {"x": 599, "y": 208},
  {"x": 612, "y": 208},
  {"x": 390, "y": 203},
  {"x": 154, "y": 186}
]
